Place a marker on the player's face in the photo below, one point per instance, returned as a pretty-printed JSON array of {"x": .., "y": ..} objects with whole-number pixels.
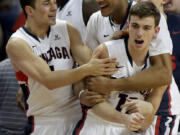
[
  {"x": 108, "y": 7},
  {"x": 45, "y": 11},
  {"x": 141, "y": 32}
]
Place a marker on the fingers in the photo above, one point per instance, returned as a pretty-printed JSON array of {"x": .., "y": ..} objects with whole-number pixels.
[
  {"x": 90, "y": 98},
  {"x": 119, "y": 34},
  {"x": 136, "y": 120},
  {"x": 109, "y": 60}
]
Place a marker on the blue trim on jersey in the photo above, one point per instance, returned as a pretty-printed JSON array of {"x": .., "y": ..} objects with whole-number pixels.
[
  {"x": 173, "y": 22},
  {"x": 34, "y": 36},
  {"x": 29, "y": 126},
  {"x": 127, "y": 51},
  {"x": 63, "y": 5},
  {"x": 166, "y": 125},
  {"x": 80, "y": 123},
  {"x": 129, "y": 56},
  {"x": 164, "y": 108}
]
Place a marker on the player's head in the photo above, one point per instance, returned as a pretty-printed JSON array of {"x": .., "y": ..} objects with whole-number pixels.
[
  {"x": 40, "y": 10},
  {"x": 109, "y": 7},
  {"x": 25, "y": 3},
  {"x": 143, "y": 24}
]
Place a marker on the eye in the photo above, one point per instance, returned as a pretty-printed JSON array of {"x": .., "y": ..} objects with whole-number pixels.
[
  {"x": 46, "y": 2},
  {"x": 134, "y": 25},
  {"x": 147, "y": 27}
]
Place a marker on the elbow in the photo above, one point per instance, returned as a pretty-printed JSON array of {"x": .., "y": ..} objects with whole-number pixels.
[
  {"x": 47, "y": 83},
  {"x": 166, "y": 76}
]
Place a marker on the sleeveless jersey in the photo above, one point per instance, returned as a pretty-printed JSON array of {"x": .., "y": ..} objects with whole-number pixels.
[
  {"x": 72, "y": 12},
  {"x": 55, "y": 50},
  {"x": 100, "y": 29},
  {"x": 170, "y": 104},
  {"x": 173, "y": 22}
]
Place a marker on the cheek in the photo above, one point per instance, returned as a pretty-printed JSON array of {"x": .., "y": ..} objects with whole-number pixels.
[{"x": 44, "y": 11}]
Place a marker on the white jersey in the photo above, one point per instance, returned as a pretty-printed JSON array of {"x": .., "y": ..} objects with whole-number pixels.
[
  {"x": 100, "y": 29},
  {"x": 170, "y": 104},
  {"x": 55, "y": 50},
  {"x": 72, "y": 12}
]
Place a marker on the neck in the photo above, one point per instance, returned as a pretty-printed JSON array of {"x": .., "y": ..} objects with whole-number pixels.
[
  {"x": 137, "y": 56},
  {"x": 37, "y": 29},
  {"x": 119, "y": 15}
]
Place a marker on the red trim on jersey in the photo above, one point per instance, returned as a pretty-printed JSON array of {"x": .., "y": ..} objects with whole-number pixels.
[
  {"x": 32, "y": 124},
  {"x": 169, "y": 104},
  {"x": 21, "y": 76},
  {"x": 157, "y": 125},
  {"x": 82, "y": 124}
]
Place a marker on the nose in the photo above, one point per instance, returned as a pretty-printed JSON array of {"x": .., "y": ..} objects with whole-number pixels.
[
  {"x": 53, "y": 5},
  {"x": 140, "y": 32}
]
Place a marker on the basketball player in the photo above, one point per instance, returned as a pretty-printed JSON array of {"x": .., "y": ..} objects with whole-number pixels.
[
  {"x": 42, "y": 54},
  {"x": 112, "y": 16},
  {"x": 132, "y": 54},
  {"x": 77, "y": 12}
]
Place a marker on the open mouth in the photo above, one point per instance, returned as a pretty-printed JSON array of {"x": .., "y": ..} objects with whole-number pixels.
[
  {"x": 103, "y": 6},
  {"x": 137, "y": 41}
]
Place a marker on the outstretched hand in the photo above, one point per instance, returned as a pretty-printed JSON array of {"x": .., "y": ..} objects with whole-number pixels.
[{"x": 106, "y": 66}]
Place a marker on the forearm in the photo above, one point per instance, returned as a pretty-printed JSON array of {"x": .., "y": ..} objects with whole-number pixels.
[
  {"x": 61, "y": 78},
  {"x": 107, "y": 112},
  {"x": 159, "y": 74},
  {"x": 155, "y": 97},
  {"x": 83, "y": 56}
]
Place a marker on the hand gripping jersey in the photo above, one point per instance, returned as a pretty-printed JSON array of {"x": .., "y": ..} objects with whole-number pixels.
[
  {"x": 72, "y": 12},
  {"x": 100, "y": 29},
  {"x": 93, "y": 124},
  {"x": 55, "y": 50}
]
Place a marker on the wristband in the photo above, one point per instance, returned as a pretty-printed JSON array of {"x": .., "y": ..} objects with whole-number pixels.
[{"x": 81, "y": 93}]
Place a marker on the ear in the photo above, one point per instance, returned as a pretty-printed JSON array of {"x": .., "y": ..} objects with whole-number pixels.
[
  {"x": 157, "y": 29},
  {"x": 29, "y": 10},
  {"x": 127, "y": 25}
]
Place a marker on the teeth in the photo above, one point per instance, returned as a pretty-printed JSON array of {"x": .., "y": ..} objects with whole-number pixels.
[{"x": 102, "y": 6}]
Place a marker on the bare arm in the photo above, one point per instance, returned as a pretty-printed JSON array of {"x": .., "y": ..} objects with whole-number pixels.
[
  {"x": 89, "y": 7},
  {"x": 33, "y": 66},
  {"x": 81, "y": 53},
  {"x": 160, "y": 73}
]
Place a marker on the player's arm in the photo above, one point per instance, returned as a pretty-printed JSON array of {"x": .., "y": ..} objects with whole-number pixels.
[
  {"x": 80, "y": 52},
  {"x": 147, "y": 108},
  {"x": 23, "y": 59},
  {"x": 160, "y": 73},
  {"x": 88, "y": 8},
  {"x": 91, "y": 32}
]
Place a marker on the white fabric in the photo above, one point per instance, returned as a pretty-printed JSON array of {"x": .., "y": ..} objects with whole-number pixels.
[
  {"x": 41, "y": 101},
  {"x": 72, "y": 12},
  {"x": 99, "y": 30}
]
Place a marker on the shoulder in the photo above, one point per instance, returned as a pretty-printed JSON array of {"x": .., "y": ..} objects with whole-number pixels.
[
  {"x": 15, "y": 45},
  {"x": 115, "y": 43}
]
